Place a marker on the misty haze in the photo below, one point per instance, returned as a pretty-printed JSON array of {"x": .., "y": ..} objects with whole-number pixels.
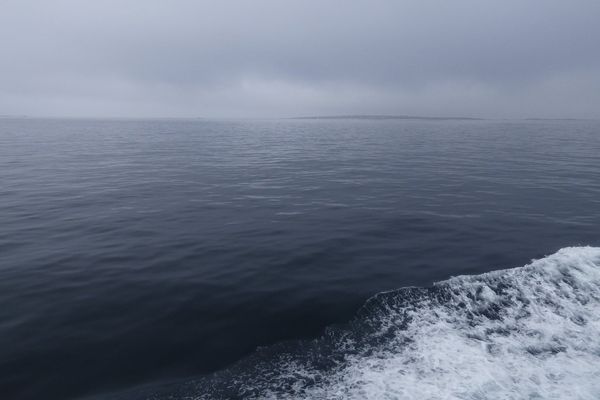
[{"x": 299, "y": 200}]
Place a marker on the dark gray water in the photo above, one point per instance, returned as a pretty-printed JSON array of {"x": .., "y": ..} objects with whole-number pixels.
[{"x": 142, "y": 252}]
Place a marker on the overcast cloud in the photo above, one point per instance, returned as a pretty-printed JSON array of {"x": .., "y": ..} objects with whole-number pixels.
[{"x": 269, "y": 58}]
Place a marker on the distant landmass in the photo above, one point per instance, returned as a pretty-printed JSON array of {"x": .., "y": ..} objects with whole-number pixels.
[
  {"x": 388, "y": 117},
  {"x": 552, "y": 119}
]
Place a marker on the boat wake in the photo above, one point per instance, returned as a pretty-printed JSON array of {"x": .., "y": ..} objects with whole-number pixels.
[{"x": 531, "y": 332}]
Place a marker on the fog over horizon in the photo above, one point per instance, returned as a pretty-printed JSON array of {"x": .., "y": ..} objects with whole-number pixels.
[{"x": 268, "y": 58}]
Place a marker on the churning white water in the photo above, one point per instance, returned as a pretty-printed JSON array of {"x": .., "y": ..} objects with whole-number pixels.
[{"x": 525, "y": 333}]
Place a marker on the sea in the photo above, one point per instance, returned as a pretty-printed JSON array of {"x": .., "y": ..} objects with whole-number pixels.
[{"x": 342, "y": 258}]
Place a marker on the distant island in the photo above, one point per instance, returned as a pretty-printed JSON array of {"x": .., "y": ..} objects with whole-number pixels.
[
  {"x": 389, "y": 117},
  {"x": 552, "y": 119}
]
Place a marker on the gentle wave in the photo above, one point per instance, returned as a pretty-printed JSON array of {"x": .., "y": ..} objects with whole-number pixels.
[{"x": 525, "y": 333}]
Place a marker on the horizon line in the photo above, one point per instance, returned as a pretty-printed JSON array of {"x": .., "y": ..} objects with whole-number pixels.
[{"x": 301, "y": 117}]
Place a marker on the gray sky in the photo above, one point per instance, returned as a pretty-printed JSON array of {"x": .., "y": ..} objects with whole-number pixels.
[{"x": 269, "y": 58}]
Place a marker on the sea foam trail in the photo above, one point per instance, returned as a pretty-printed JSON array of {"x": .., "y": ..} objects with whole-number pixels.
[{"x": 525, "y": 333}]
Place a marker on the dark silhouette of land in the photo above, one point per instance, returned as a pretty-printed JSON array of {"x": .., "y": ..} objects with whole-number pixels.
[{"x": 388, "y": 117}]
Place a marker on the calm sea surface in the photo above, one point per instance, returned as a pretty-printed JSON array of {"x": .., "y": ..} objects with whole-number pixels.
[{"x": 135, "y": 253}]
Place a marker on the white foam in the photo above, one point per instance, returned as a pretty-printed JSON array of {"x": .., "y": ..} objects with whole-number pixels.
[{"x": 526, "y": 333}]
